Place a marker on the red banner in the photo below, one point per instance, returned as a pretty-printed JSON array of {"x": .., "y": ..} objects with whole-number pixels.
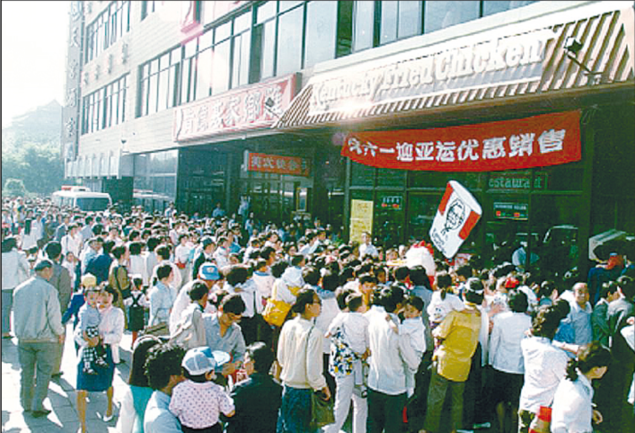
[
  {"x": 278, "y": 164},
  {"x": 547, "y": 139}
]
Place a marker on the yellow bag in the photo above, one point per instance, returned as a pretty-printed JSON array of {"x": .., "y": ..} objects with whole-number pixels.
[{"x": 275, "y": 311}]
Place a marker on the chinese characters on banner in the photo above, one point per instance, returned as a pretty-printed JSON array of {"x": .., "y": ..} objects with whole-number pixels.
[
  {"x": 234, "y": 111},
  {"x": 456, "y": 216},
  {"x": 548, "y": 139},
  {"x": 278, "y": 164}
]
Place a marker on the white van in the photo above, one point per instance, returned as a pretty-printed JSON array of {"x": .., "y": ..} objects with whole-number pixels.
[{"x": 83, "y": 198}]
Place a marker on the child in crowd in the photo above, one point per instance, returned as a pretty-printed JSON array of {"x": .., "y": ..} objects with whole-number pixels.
[
  {"x": 198, "y": 401},
  {"x": 413, "y": 329},
  {"x": 70, "y": 263},
  {"x": 137, "y": 305},
  {"x": 443, "y": 300},
  {"x": 89, "y": 320}
]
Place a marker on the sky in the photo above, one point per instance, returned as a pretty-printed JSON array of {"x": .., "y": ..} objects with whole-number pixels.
[{"x": 34, "y": 42}]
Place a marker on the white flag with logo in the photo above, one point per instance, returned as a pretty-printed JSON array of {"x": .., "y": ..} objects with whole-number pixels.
[{"x": 457, "y": 215}]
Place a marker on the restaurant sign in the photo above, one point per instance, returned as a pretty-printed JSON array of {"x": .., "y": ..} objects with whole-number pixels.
[
  {"x": 278, "y": 164},
  {"x": 241, "y": 109},
  {"x": 461, "y": 64},
  {"x": 538, "y": 141}
]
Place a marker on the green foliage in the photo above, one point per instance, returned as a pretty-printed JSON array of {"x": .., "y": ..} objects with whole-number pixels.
[
  {"x": 13, "y": 188},
  {"x": 37, "y": 165}
]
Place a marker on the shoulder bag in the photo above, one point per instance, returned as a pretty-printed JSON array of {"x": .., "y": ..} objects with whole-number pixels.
[{"x": 321, "y": 410}]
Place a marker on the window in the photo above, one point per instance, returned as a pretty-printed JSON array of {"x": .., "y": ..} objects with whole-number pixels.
[
  {"x": 107, "y": 28},
  {"x": 400, "y": 19},
  {"x": 148, "y": 7},
  {"x": 263, "y": 50},
  {"x": 290, "y": 41},
  {"x": 105, "y": 107},
  {"x": 440, "y": 14},
  {"x": 159, "y": 81},
  {"x": 363, "y": 25},
  {"x": 494, "y": 7},
  {"x": 241, "y": 44},
  {"x": 321, "y": 34}
]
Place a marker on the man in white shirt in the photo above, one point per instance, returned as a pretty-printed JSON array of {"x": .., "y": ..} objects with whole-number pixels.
[{"x": 366, "y": 247}]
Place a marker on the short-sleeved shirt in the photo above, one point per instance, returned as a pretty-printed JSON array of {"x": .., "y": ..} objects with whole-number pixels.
[
  {"x": 232, "y": 342},
  {"x": 459, "y": 332},
  {"x": 198, "y": 405}
]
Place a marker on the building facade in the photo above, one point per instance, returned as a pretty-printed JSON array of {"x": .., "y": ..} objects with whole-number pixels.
[{"x": 207, "y": 102}]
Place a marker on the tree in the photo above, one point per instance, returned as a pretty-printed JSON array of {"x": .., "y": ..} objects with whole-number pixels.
[
  {"x": 37, "y": 165},
  {"x": 14, "y": 187}
]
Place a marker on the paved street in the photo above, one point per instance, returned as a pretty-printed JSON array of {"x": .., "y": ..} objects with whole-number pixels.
[{"x": 62, "y": 396}]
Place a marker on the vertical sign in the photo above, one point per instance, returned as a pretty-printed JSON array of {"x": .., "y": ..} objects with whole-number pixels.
[
  {"x": 361, "y": 219},
  {"x": 71, "y": 104}
]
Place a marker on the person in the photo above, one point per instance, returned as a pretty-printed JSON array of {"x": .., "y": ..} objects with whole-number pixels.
[
  {"x": 572, "y": 409},
  {"x": 208, "y": 273},
  {"x": 506, "y": 359},
  {"x": 118, "y": 275},
  {"x": 443, "y": 300},
  {"x": 545, "y": 365},
  {"x": 366, "y": 248},
  {"x": 580, "y": 314},
  {"x": 62, "y": 281},
  {"x": 99, "y": 265},
  {"x": 111, "y": 326},
  {"x": 190, "y": 330},
  {"x": 89, "y": 320},
  {"x": 348, "y": 333},
  {"x": 136, "y": 397},
  {"x": 412, "y": 330},
  {"x": 205, "y": 255},
  {"x": 218, "y": 212},
  {"x": 137, "y": 305},
  {"x": 198, "y": 402},
  {"x": 300, "y": 358},
  {"x": 161, "y": 296},
  {"x": 223, "y": 333},
  {"x": 163, "y": 370},
  {"x": 257, "y": 399},
  {"x": 458, "y": 335},
  {"x": 15, "y": 270},
  {"x": 38, "y": 327},
  {"x": 609, "y": 292}
]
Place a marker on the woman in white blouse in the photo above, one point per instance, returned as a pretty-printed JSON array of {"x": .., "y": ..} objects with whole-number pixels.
[
  {"x": 572, "y": 410},
  {"x": 112, "y": 321}
]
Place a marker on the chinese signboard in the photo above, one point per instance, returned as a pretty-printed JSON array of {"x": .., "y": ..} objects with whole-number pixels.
[
  {"x": 234, "y": 111},
  {"x": 278, "y": 164},
  {"x": 457, "y": 215},
  {"x": 544, "y": 140},
  {"x": 70, "y": 110},
  {"x": 361, "y": 219},
  {"x": 461, "y": 64}
]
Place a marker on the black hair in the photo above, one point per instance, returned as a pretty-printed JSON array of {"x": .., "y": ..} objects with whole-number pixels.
[
  {"x": 163, "y": 251},
  {"x": 163, "y": 361},
  {"x": 444, "y": 283},
  {"x": 474, "y": 292},
  {"x": 354, "y": 301},
  {"x": 139, "y": 356},
  {"x": 367, "y": 278},
  {"x": 164, "y": 270},
  {"x": 119, "y": 251},
  {"x": 53, "y": 249},
  {"x": 152, "y": 243},
  {"x": 197, "y": 378},
  {"x": 278, "y": 268},
  {"x": 608, "y": 288},
  {"x": 135, "y": 248},
  {"x": 262, "y": 355},
  {"x": 340, "y": 296},
  {"x": 9, "y": 243},
  {"x": 109, "y": 289},
  {"x": 296, "y": 259},
  {"x": 108, "y": 246},
  {"x": 303, "y": 298},
  {"x": 517, "y": 301},
  {"x": 266, "y": 252},
  {"x": 546, "y": 289},
  {"x": 233, "y": 303},
  {"x": 390, "y": 297},
  {"x": 418, "y": 276},
  {"x": 346, "y": 274},
  {"x": 415, "y": 301},
  {"x": 330, "y": 281},
  {"x": 311, "y": 276},
  {"x": 401, "y": 273},
  {"x": 589, "y": 356},
  {"x": 627, "y": 285},
  {"x": 198, "y": 290},
  {"x": 546, "y": 321},
  {"x": 464, "y": 271},
  {"x": 237, "y": 274}
]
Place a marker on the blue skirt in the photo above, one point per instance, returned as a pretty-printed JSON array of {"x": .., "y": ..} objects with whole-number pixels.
[{"x": 96, "y": 382}]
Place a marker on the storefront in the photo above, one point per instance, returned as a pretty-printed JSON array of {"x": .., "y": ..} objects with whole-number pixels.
[{"x": 580, "y": 62}]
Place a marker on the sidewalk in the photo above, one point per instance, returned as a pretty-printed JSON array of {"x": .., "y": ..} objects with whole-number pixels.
[{"x": 62, "y": 396}]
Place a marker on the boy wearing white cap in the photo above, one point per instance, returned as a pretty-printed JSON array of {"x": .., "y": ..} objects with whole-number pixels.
[{"x": 197, "y": 402}]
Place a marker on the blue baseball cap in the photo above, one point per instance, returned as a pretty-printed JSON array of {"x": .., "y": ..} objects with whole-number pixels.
[{"x": 208, "y": 271}]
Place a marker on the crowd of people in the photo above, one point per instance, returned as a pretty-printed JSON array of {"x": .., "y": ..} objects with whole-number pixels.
[{"x": 241, "y": 326}]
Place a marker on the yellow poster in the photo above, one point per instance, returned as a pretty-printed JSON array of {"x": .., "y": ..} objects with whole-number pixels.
[{"x": 361, "y": 219}]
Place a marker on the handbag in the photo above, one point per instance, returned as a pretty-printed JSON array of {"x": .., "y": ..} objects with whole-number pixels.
[
  {"x": 321, "y": 410},
  {"x": 275, "y": 311},
  {"x": 158, "y": 330}
]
